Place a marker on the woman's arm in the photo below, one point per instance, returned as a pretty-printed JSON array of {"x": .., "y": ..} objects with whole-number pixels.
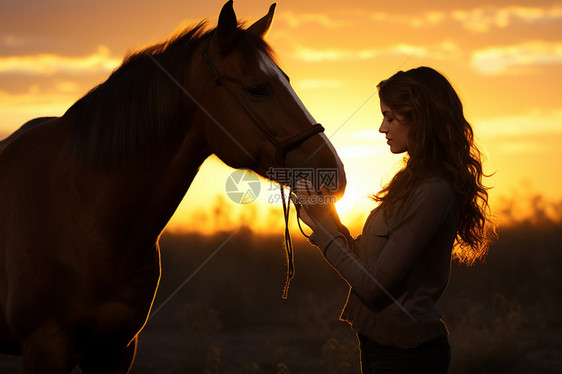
[
  {"x": 409, "y": 235},
  {"x": 324, "y": 211}
]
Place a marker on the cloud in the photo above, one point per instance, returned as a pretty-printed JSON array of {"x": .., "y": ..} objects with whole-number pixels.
[
  {"x": 353, "y": 18},
  {"x": 318, "y": 19},
  {"x": 483, "y": 19},
  {"x": 497, "y": 60},
  {"x": 480, "y": 19},
  {"x": 534, "y": 122},
  {"x": 12, "y": 41},
  {"x": 428, "y": 18},
  {"x": 316, "y": 55},
  {"x": 519, "y": 147},
  {"x": 34, "y": 96},
  {"x": 67, "y": 87},
  {"x": 15, "y": 110},
  {"x": 47, "y": 64},
  {"x": 446, "y": 50},
  {"x": 322, "y": 55}
]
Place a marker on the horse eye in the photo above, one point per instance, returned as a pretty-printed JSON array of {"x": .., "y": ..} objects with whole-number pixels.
[{"x": 259, "y": 91}]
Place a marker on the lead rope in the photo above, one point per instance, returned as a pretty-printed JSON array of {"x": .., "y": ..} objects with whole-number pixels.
[
  {"x": 297, "y": 207},
  {"x": 281, "y": 148},
  {"x": 288, "y": 242}
]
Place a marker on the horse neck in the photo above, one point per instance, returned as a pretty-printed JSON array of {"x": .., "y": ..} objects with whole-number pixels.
[
  {"x": 144, "y": 196},
  {"x": 137, "y": 198}
]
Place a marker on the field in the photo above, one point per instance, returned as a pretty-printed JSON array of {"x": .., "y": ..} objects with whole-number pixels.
[{"x": 229, "y": 318}]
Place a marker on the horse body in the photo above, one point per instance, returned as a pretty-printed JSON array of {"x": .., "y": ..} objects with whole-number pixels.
[
  {"x": 82, "y": 265},
  {"x": 80, "y": 221},
  {"x": 110, "y": 238},
  {"x": 62, "y": 253}
]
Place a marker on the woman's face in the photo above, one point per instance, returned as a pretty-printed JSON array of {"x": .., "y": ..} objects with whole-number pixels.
[{"x": 395, "y": 130}]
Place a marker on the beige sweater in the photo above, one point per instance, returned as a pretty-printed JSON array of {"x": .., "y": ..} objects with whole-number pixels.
[{"x": 398, "y": 267}]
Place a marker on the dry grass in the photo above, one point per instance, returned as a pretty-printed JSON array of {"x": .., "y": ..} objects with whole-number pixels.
[{"x": 503, "y": 315}]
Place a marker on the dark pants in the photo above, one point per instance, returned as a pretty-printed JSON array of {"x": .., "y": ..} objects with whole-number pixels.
[{"x": 429, "y": 358}]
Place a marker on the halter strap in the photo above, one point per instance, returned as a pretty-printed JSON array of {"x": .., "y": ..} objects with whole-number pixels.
[
  {"x": 294, "y": 141},
  {"x": 282, "y": 147}
]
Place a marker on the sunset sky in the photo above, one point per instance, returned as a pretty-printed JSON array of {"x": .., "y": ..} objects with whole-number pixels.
[{"x": 503, "y": 57}]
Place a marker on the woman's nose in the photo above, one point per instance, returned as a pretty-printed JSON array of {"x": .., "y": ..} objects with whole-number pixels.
[{"x": 383, "y": 129}]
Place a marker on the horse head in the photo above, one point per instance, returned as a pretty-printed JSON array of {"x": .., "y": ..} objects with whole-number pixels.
[{"x": 259, "y": 121}]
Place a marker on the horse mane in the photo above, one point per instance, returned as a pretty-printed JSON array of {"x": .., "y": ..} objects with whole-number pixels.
[{"x": 139, "y": 106}]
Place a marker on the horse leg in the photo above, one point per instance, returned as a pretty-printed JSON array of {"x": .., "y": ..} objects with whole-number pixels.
[
  {"x": 106, "y": 361},
  {"x": 47, "y": 351}
]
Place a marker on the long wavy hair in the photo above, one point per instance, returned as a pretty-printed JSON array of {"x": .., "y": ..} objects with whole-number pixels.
[{"x": 440, "y": 143}]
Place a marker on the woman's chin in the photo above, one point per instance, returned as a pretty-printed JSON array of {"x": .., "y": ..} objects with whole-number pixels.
[{"x": 397, "y": 151}]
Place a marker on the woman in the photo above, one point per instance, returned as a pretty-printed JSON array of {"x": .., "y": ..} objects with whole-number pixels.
[{"x": 399, "y": 267}]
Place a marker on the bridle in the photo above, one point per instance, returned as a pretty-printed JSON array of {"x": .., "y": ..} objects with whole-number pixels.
[{"x": 282, "y": 147}]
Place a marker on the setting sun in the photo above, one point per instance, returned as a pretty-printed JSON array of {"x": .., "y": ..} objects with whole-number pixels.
[{"x": 347, "y": 202}]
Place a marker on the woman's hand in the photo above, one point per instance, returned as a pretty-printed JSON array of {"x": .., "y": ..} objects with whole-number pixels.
[
  {"x": 314, "y": 206},
  {"x": 302, "y": 213}
]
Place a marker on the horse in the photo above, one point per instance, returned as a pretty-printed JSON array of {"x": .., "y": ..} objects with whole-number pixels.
[{"x": 84, "y": 197}]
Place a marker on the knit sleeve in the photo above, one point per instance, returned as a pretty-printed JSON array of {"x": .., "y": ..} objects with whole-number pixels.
[
  {"x": 329, "y": 232},
  {"x": 410, "y": 232}
]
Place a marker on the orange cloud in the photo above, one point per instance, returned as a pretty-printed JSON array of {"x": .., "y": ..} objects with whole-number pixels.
[
  {"x": 497, "y": 60},
  {"x": 46, "y": 64},
  {"x": 317, "y": 55},
  {"x": 298, "y": 20},
  {"x": 482, "y": 19},
  {"x": 535, "y": 122},
  {"x": 446, "y": 50}
]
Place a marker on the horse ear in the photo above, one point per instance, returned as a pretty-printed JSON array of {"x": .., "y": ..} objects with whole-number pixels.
[
  {"x": 227, "y": 25},
  {"x": 261, "y": 27}
]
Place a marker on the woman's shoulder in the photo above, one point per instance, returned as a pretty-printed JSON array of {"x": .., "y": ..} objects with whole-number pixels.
[
  {"x": 431, "y": 193},
  {"x": 432, "y": 198},
  {"x": 437, "y": 186}
]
